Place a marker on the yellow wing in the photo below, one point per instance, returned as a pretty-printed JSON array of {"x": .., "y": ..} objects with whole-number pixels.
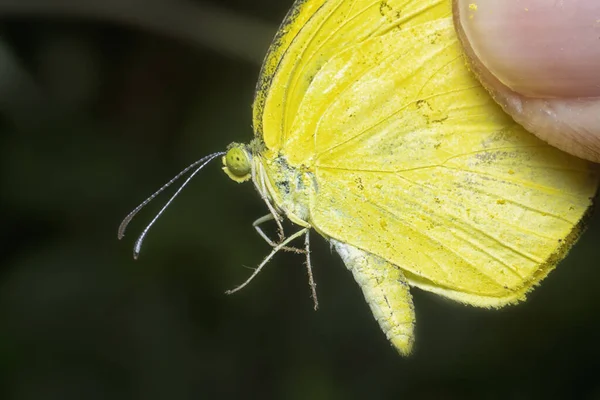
[
  {"x": 312, "y": 33},
  {"x": 414, "y": 163}
]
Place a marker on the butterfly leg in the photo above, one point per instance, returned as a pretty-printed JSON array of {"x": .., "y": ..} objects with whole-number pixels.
[
  {"x": 272, "y": 210},
  {"x": 269, "y": 217},
  {"x": 386, "y": 291},
  {"x": 267, "y": 259},
  {"x": 311, "y": 279},
  {"x": 256, "y": 224}
]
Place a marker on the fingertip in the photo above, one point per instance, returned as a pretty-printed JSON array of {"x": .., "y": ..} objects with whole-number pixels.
[
  {"x": 565, "y": 115},
  {"x": 538, "y": 48}
]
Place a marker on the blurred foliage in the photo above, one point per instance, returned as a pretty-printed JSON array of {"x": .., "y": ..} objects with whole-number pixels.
[{"x": 94, "y": 117}]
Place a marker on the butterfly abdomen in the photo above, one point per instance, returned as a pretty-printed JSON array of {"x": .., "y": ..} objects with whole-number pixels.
[{"x": 386, "y": 291}]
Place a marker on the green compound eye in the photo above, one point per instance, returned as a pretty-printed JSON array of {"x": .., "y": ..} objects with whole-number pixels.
[{"x": 238, "y": 162}]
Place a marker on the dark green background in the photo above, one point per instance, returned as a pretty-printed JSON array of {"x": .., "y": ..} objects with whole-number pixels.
[{"x": 99, "y": 107}]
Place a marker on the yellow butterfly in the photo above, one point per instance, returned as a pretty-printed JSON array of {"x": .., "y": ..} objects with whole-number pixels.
[{"x": 370, "y": 129}]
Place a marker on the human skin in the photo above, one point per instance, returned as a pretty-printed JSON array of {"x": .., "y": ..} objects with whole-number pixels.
[{"x": 540, "y": 60}]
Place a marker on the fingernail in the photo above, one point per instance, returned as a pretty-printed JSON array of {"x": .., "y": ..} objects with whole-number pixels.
[{"x": 538, "y": 48}]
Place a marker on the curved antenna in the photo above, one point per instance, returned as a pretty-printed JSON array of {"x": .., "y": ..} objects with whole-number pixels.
[{"x": 138, "y": 243}]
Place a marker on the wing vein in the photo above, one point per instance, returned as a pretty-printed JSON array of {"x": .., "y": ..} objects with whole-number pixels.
[
  {"x": 361, "y": 133},
  {"x": 468, "y": 223},
  {"x": 540, "y": 188},
  {"x": 295, "y": 77},
  {"x": 415, "y": 229},
  {"x": 402, "y": 20}
]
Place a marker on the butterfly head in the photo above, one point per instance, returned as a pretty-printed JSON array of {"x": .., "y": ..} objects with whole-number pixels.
[{"x": 237, "y": 162}]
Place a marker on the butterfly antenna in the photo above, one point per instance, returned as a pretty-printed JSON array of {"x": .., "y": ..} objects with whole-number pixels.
[{"x": 123, "y": 226}]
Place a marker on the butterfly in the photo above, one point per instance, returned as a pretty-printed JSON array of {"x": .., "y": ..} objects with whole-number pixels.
[{"x": 370, "y": 130}]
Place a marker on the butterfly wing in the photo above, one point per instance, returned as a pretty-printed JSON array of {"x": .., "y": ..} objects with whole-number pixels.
[
  {"x": 415, "y": 164},
  {"x": 314, "y": 31},
  {"x": 412, "y": 160}
]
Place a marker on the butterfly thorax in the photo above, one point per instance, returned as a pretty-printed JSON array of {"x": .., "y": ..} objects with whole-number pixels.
[{"x": 286, "y": 188}]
